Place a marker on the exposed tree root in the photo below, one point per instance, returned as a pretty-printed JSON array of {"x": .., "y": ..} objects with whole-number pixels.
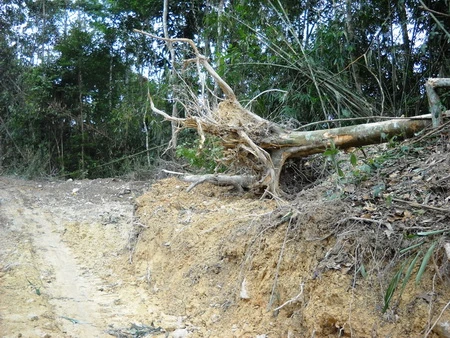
[{"x": 260, "y": 148}]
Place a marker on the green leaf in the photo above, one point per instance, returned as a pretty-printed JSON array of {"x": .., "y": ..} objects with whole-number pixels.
[
  {"x": 378, "y": 189},
  {"x": 363, "y": 271},
  {"x": 412, "y": 246},
  {"x": 366, "y": 168},
  {"x": 388, "y": 200},
  {"x": 353, "y": 159},
  {"x": 425, "y": 260},
  {"x": 434, "y": 232},
  {"x": 392, "y": 287},
  {"x": 409, "y": 271},
  {"x": 330, "y": 152}
]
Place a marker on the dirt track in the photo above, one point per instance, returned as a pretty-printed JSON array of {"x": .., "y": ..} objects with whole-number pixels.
[{"x": 51, "y": 284}]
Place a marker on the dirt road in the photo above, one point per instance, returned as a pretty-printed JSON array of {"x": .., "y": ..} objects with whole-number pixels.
[{"x": 56, "y": 276}]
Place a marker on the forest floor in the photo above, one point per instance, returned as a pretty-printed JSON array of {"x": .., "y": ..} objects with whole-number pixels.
[{"x": 106, "y": 257}]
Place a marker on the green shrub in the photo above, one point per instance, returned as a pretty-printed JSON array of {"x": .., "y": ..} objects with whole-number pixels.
[{"x": 206, "y": 157}]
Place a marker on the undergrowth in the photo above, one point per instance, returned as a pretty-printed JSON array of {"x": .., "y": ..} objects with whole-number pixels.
[
  {"x": 202, "y": 157},
  {"x": 399, "y": 208}
]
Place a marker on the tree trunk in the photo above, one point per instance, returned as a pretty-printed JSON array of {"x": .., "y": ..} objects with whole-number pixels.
[
  {"x": 173, "y": 76},
  {"x": 286, "y": 144},
  {"x": 434, "y": 101},
  {"x": 351, "y": 43},
  {"x": 80, "y": 98},
  {"x": 219, "y": 47}
]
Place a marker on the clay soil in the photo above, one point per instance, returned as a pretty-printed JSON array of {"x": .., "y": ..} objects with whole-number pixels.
[{"x": 110, "y": 258}]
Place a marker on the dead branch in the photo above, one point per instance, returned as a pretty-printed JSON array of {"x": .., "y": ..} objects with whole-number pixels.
[
  {"x": 229, "y": 93},
  {"x": 447, "y": 250},
  {"x": 292, "y": 300},
  {"x": 417, "y": 205},
  {"x": 240, "y": 182}
]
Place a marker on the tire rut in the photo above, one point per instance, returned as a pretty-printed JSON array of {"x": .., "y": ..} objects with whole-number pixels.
[
  {"x": 70, "y": 293},
  {"x": 56, "y": 284}
]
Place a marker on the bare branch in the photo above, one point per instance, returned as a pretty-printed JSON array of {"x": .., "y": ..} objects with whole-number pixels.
[
  {"x": 229, "y": 93},
  {"x": 435, "y": 12},
  {"x": 441, "y": 26},
  {"x": 162, "y": 113}
]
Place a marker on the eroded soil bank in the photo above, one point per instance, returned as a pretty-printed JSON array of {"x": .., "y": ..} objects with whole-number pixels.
[{"x": 236, "y": 266}]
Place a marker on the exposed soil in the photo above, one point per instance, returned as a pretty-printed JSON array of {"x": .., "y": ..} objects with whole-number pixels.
[
  {"x": 61, "y": 245},
  {"x": 102, "y": 258}
]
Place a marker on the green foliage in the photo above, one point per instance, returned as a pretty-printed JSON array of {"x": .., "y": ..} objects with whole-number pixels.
[
  {"x": 331, "y": 154},
  {"x": 36, "y": 289},
  {"x": 353, "y": 172},
  {"x": 362, "y": 271},
  {"x": 392, "y": 287},
  {"x": 205, "y": 157},
  {"x": 406, "y": 275}
]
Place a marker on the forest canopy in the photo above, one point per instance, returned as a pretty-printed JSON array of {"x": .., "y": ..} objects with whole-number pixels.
[{"x": 75, "y": 76}]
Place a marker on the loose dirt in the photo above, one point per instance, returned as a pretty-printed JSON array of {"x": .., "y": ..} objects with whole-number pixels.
[
  {"x": 103, "y": 258},
  {"x": 60, "y": 247}
]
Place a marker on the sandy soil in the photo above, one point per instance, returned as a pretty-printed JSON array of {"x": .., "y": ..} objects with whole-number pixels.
[
  {"x": 109, "y": 258},
  {"x": 59, "y": 244}
]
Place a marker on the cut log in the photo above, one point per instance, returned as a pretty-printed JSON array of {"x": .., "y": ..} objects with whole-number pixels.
[{"x": 311, "y": 142}]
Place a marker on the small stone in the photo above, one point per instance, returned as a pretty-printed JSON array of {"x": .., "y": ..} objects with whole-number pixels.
[
  {"x": 248, "y": 329},
  {"x": 180, "y": 333},
  {"x": 33, "y": 317},
  {"x": 48, "y": 326},
  {"x": 442, "y": 329},
  {"x": 170, "y": 323},
  {"x": 244, "y": 293}
]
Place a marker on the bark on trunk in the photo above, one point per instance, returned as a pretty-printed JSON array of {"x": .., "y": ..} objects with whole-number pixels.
[
  {"x": 434, "y": 101},
  {"x": 173, "y": 76}
]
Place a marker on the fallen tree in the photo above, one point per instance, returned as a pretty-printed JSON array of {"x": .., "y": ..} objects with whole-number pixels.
[{"x": 258, "y": 148}]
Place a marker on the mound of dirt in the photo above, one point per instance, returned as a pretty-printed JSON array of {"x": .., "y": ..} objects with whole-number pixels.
[{"x": 235, "y": 266}]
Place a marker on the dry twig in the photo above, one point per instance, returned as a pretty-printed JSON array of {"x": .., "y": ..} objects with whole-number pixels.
[{"x": 291, "y": 300}]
